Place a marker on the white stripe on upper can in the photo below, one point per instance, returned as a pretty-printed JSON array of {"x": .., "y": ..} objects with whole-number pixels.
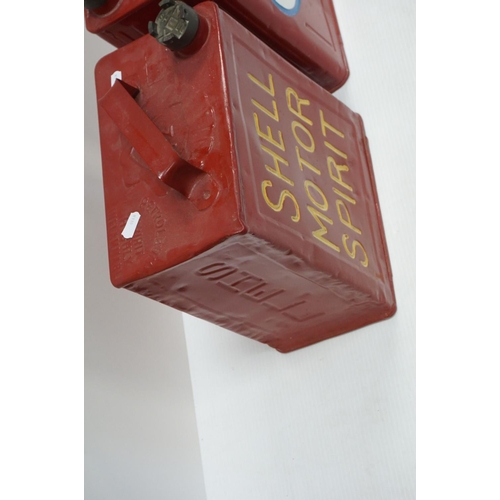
[{"x": 288, "y": 7}]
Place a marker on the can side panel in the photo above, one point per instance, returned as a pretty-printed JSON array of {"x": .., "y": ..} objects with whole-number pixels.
[
  {"x": 380, "y": 224},
  {"x": 248, "y": 286},
  {"x": 343, "y": 73},
  {"x": 307, "y": 180},
  {"x": 310, "y": 39},
  {"x": 185, "y": 98}
]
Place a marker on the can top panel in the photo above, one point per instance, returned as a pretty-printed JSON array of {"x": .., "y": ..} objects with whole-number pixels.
[{"x": 181, "y": 104}]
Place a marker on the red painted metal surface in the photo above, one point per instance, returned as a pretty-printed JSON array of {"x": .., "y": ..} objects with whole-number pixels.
[
  {"x": 310, "y": 38},
  {"x": 257, "y": 201}
]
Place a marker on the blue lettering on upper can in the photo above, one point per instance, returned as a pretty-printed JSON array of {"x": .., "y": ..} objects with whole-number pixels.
[{"x": 283, "y": 6}]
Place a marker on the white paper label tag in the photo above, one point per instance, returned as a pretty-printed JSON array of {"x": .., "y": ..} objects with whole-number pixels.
[
  {"x": 131, "y": 225},
  {"x": 117, "y": 75}
]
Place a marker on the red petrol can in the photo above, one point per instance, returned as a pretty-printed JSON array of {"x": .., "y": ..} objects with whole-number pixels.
[
  {"x": 238, "y": 190},
  {"x": 305, "y": 32}
]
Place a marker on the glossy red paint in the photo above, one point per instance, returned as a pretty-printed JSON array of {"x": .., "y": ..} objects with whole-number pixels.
[
  {"x": 310, "y": 39},
  {"x": 288, "y": 246}
]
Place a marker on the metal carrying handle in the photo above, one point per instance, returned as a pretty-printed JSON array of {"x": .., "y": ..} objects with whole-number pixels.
[{"x": 158, "y": 154}]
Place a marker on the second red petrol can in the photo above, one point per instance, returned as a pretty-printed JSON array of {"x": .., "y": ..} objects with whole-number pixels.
[
  {"x": 305, "y": 32},
  {"x": 238, "y": 190}
]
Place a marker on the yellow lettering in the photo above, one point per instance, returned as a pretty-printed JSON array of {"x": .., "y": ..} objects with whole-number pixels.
[
  {"x": 345, "y": 196},
  {"x": 269, "y": 90},
  {"x": 275, "y": 116},
  {"x": 332, "y": 164},
  {"x": 352, "y": 253},
  {"x": 347, "y": 219},
  {"x": 325, "y": 125},
  {"x": 312, "y": 145},
  {"x": 277, "y": 170},
  {"x": 306, "y": 163},
  {"x": 319, "y": 217},
  {"x": 324, "y": 205},
  {"x": 277, "y": 207},
  {"x": 297, "y": 110},
  {"x": 336, "y": 150},
  {"x": 269, "y": 136}
]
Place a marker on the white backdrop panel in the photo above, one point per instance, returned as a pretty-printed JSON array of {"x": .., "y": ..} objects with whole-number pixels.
[{"x": 335, "y": 420}]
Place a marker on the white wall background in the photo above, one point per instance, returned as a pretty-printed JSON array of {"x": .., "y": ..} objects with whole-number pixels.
[
  {"x": 334, "y": 421},
  {"x": 331, "y": 421},
  {"x": 141, "y": 440}
]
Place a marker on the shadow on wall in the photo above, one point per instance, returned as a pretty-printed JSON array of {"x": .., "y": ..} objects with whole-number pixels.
[{"x": 141, "y": 439}]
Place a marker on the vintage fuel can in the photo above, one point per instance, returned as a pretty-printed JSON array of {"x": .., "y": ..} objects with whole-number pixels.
[
  {"x": 238, "y": 190},
  {"x": 305, "y": 32}
]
